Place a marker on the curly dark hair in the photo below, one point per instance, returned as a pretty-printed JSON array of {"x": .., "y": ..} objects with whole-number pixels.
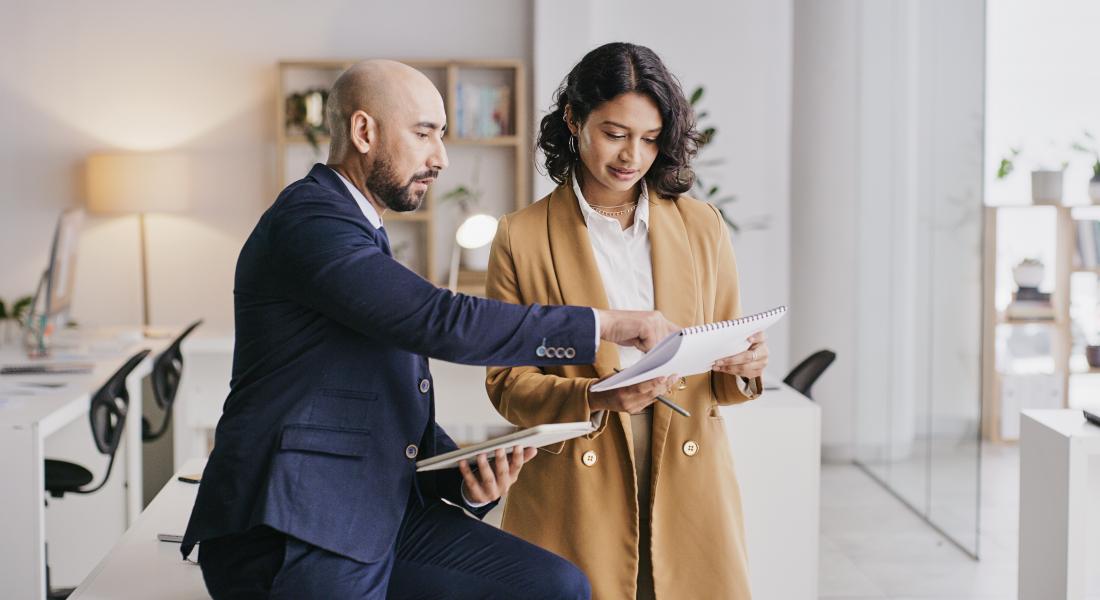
[{"x": 604, "y": 74}]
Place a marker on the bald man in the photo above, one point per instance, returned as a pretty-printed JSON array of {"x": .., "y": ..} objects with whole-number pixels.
[{"x": 311, "y": 490}]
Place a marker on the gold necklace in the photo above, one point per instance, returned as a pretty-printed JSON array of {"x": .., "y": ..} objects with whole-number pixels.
[{"x": 629, "y": 208}]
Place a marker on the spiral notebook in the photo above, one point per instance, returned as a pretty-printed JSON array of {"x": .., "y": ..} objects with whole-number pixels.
[{"x": 693, "y": 350}]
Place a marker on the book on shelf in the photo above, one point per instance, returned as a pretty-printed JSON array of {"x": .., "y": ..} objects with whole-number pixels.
[
  {"x": 484, "y": 111},
  {"x": 1030, "y": 310},
  {"x": 1088, "y": 244},
  {"x": 1031, "y": 294}
]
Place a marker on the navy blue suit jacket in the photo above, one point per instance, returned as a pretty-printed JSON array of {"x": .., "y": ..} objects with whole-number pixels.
[{"x": 331, "y": 402}]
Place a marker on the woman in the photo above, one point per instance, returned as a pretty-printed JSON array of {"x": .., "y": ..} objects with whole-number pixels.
[{"x": 648, "y": 505}]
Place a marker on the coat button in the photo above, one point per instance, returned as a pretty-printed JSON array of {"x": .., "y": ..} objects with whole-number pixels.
[
  {"x": 691, "y": 447},
  {"x": 589, "y": 458},
  {"x": 425, "y": 385},
  {"x": 570, "y": 353},
  {"x": 411, "y": 451}
]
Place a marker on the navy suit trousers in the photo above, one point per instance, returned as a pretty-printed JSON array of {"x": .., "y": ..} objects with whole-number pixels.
[{"x": 440, "y": 553}]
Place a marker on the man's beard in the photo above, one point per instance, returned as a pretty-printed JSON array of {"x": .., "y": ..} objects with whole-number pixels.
[{"x": 384, "y": 184}]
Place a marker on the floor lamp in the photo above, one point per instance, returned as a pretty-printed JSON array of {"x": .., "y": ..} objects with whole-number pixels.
[{"x": 129, "y": 183}]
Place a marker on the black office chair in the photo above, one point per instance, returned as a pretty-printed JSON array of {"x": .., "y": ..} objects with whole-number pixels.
[
  {"x": 803, "y": 376},
  {"x": 167, "y": 368},
  {"x": 107, "y": 415}
]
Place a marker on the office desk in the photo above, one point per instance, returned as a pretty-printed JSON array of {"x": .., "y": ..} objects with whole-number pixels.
[
  {"x": 163, "y": 574},
  {"x": 27, "y": 420}
]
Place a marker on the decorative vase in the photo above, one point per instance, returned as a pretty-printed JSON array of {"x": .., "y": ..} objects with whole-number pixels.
[
  {"x": 1092, "y": 355},
  {"x": 1094, "y": 189},
  {"x": 1046, "y": 187},
  {"x": 1028, "y": 274}
]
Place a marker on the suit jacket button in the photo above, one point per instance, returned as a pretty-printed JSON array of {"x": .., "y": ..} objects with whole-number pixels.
[
  {"x": 691, "y": 447},
  {"x": 411, "y": 451},
  {"x": 425, "y": 385},
  {"x": 570, "y": 353},
  {"x": 589, "y": 458}
]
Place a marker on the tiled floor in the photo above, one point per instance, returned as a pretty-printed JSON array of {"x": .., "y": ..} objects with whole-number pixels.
[{"x": 872, "y": 547}]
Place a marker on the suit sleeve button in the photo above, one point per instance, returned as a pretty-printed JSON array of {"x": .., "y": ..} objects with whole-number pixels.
[{"x": 570, "y": 353}]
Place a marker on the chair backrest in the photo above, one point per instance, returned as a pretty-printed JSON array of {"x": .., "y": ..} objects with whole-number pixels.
[
  {"x": 803, "y": 376},
  {"x": 110, "y": 405},
  {"x": 167, "y": 370}
]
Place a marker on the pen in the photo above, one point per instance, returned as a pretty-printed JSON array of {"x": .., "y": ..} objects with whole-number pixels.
[{"x": 669, "y": 403}]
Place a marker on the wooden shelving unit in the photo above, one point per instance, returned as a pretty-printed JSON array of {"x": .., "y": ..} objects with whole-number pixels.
[
  {"x": 1060, "y": 326},
  {"x": 297, "y": 75}
]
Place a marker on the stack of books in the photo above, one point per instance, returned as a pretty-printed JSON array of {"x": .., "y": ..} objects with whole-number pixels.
[
  {"x": 482, "y": 111},
  {"x": 1028, "y": 303}
]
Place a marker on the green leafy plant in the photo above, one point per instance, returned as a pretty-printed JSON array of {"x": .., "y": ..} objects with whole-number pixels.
[
  {"x": 305, "y": 111},
  {"x": 468, "y": 197},
  {"x": 705, "y": 187},
  {"x": 17, "y": 311},
  {"x": 1008, "y": 164}
]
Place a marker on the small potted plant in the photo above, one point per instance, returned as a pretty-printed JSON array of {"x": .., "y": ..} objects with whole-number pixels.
[
  {"x": 1029, "y": 273},
  {"x": 11, "y": 319},
  {"x": 1090, "y": 147},
  {"x": 1046, "y": 183},
  {"x": 305, "y": 113}
]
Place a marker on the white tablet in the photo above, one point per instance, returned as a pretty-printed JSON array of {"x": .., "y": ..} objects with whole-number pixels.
[{"x": 534, "y": 437}]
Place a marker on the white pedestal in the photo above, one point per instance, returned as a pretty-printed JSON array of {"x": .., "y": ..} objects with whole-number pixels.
[{"x": 1055, "y": 446}]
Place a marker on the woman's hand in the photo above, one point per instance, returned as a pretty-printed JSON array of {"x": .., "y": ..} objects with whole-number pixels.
[
  {"x": 748, "y": 364},
  {"x": 492, "y": 481},
  {"x": 631, "y": 399}
]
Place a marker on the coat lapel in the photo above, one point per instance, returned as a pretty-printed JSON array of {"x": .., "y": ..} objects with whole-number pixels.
[
  {"x": 675, "y": 289},
  {"x": 575, "y": 266}
]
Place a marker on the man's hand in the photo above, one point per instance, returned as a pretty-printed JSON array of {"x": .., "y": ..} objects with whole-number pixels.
[
  {"x": 748, "y": 364},
  {"x": 642, "y": 329},
  {"x": 632, "y": 399},
  {"x": 492, "y": 481}
]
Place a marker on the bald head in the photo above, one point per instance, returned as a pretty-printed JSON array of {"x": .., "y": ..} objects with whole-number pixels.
[{"x": 389, "y": 91}]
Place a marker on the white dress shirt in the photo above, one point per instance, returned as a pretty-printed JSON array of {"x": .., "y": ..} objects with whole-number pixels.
[
  {"x": 623, "y": 259},
  {"x": 364, "y": 205}
]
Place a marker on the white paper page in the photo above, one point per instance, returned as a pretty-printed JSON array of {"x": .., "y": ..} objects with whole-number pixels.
[{"x": 695, "y": 353}]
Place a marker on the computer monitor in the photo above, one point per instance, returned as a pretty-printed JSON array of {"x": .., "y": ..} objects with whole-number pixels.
[{"x": 54, "y": 295}]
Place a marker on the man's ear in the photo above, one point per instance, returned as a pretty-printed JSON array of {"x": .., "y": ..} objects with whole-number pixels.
[{"x": 364, "y": 131}]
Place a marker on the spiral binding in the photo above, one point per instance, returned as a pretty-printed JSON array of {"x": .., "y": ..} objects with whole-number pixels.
[{"x": 732, "y": 323}]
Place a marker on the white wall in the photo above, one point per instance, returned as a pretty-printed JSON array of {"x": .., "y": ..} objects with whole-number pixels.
[
  {"x": 741, "y": 52},
  {"x": 198, "y": 78},
  {"x": 1042, "y": 89}
]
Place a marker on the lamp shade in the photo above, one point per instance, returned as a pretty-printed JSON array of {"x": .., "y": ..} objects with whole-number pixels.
[
  {"x": 476, "y": 231},
  {"x": 138, "y": 183}
]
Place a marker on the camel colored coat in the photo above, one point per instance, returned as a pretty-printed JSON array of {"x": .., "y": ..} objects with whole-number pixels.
[{"x": 587, "y": 510}]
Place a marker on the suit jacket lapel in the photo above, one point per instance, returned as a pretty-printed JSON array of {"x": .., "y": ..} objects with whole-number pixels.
[{"x": 675, "y": 287}]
